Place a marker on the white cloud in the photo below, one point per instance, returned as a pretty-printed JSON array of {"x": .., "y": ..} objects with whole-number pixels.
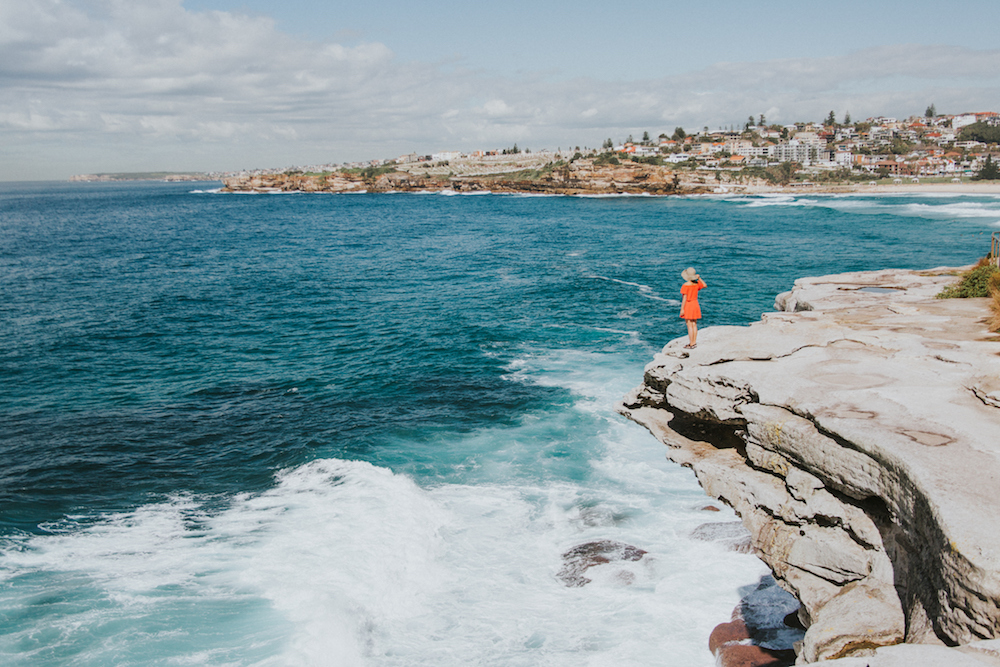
[{"x": 92, "y": 80}]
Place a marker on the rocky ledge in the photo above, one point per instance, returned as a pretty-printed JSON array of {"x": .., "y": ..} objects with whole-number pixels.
[
  {"x": 580, "y": 177},
  {"x": 856, "y": 432}
]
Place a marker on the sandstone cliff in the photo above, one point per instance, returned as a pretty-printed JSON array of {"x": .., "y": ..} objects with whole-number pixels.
[
  {"x": 857, "y": 434},
  {"x": 574, "y": 178}
]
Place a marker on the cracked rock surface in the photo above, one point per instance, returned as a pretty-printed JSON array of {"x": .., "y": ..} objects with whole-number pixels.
[{"x": 856, "y": 431}]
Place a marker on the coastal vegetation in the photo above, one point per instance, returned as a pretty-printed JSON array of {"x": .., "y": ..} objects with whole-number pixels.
[
  {"x": 605, "y": 159},
  {"x": 983, "y": 280},
  {"x": 371, "y": 173}
]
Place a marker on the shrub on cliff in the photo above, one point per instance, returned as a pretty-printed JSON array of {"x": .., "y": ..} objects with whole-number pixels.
[
  {"x": 975, "y": 283},
  {"x": 371, "y": 173}
]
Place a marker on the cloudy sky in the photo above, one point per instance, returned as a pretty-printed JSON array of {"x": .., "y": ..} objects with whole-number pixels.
[{"x": 92, "y": 86}]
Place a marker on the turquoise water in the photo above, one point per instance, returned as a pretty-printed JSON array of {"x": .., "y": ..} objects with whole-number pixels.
[{"x": 361, "y": 429}]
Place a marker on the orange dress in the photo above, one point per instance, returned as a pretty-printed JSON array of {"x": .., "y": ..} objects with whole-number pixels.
[{"x": 689, "y": 291}]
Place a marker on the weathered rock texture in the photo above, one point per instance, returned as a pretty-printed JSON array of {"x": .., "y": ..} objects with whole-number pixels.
[{"x": 857, "y": 434}]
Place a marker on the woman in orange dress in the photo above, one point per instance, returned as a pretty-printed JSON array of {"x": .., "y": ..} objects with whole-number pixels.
[{"x": 690, "y": 310}]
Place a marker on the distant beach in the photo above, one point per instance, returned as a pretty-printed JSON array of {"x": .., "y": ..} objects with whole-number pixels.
[{"x": 963, "y": 188}]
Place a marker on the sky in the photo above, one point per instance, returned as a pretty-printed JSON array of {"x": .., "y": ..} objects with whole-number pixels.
[{"x": 101, "y": 86}]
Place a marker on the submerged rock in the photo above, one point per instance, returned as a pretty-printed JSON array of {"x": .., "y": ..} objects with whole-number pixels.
[
  {"x": 732, "y": 534},
  {"x": 580, "y": 558}
]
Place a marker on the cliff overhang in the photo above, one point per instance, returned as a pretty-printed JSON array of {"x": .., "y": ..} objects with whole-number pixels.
[{"x": 856, "y": 431}]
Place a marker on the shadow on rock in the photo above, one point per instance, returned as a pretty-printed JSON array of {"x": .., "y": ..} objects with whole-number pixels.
[{"x": 763, "y": 632}]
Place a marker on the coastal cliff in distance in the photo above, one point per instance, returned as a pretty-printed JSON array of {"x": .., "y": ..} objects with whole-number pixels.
[
  {"x": 579, "y": 177},
  {"x": 857, "y": 434}
]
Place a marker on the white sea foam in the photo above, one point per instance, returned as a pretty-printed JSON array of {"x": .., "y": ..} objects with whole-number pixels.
[
  {"x": 897, "y": 205},
  {"x": 347, "y": 563},
  {"x": 959, "y": 210},
  {"x": 644, "y": 290},
  {"x": 616, "y": 331},
  {"x": 608, "y": 195}
]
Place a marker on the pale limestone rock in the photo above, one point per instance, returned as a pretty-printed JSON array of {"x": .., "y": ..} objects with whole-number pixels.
[
  {"x": 867, "y": 461},
  {"x": 918, "y": 655},
  {"x": 858, "y": 619}
]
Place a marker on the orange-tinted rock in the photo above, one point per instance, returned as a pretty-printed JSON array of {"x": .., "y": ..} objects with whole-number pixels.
[
  {"x": 725, "y": 633},
  {"x": 747, "y": 655}
]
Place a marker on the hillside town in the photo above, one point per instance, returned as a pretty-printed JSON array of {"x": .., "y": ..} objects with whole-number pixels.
[
  {"x": 919, "y": 146},
  {"x": 929, "y": 146},
  {"x": 922, "y": 148}
]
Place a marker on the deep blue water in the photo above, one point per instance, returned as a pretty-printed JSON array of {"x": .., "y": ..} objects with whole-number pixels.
[{"x": 180, "y": 369}]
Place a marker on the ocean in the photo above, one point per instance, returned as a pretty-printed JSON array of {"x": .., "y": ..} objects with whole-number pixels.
[{"x": 364, "y": 429}]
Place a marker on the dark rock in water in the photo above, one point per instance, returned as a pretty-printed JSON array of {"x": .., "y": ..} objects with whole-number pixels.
[
  {"x": 731, "y": 533},
  {"x": 710, "y": 508},
  {"x": 578, "y": 559}
]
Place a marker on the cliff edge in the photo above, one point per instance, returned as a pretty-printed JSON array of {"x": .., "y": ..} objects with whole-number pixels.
[{"x": 856, "y": 432}]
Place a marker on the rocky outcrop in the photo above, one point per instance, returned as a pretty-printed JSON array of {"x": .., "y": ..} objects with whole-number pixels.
[
  {"x": 580, "y": 177},
  {"x": 581, "y": 558},
  {"x": 857, "y": 434},
  {"x": 295, "y": 182}
]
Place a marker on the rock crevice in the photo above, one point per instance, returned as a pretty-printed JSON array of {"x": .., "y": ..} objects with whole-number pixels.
[{"x": 863, "y": 461}]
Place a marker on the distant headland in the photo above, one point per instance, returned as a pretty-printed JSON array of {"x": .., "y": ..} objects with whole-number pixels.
[
  {"x": 930, "y": 152},
  {"x": 145, "y": 176}
]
